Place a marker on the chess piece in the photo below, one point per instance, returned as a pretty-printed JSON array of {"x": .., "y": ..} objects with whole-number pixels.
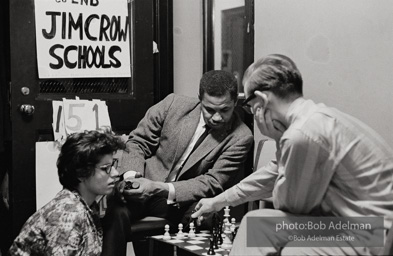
[
  {"x": 226, "y": 213},
  {"x": 191, "y": 233},
  {"x": 215, "y": 239},
  {"x": 211, "y": 248},
  {"x": 219, "y": 233},
  {"x": 227, "y": 243},
  {"x": 167, "y": 236},
  {"x": 224, "y": 221},
  {"x": 197, "y": 228},
  {"x": 131, "y": 185},
  {"x": 180, "y": 234},
  {"x": 233, "y": 224}
]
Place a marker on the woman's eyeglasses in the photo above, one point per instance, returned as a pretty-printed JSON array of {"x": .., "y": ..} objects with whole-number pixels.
[{"x": 108, "y": 167}]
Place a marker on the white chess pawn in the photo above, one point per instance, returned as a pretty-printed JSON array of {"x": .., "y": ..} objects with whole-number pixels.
[
  {"x": 233, "y": 224},
  {"x": 180, "y": 234},
  {"x": 192, "y": 230},
  {"x": 167, "y": 236}
]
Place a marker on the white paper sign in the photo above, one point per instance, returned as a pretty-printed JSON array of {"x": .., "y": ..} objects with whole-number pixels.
[
  {"x": 70, "y": 116},
  {"x": 58, "y": 121},
  {"x": 82, "y": 38},
  {"x": 47, "y": 179}
]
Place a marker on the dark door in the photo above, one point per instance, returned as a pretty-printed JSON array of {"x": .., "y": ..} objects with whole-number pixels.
[
  {"x": 232, "y": 42},
  {"x": 127, "y": 98},
  {"x": 237, "y": 53}
]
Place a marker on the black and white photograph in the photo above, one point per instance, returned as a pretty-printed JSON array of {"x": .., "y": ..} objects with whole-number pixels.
[{"x": 196, "y": 127}]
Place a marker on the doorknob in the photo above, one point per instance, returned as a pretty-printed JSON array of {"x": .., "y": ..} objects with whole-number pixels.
[{"x": 27, "y": 109}]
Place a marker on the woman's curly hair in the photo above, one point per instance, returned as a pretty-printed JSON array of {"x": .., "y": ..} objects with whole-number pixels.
[{"x": 81, "y": 152}]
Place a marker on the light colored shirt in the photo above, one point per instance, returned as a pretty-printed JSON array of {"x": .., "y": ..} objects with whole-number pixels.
[
  {"x": 328, "y": 163},
  {"x": 64, "y": 226},
  {"x": 201, "y": 127}
]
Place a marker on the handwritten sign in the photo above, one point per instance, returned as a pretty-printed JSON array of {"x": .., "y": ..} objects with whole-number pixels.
[
  {"x": 82, "y": 38},
  {"x": 70, "y": 116}
]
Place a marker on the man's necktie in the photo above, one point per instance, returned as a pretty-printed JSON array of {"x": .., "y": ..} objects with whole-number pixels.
[
  {"x": 199, "y": 141},
  {"x": 174, "y": 173}
]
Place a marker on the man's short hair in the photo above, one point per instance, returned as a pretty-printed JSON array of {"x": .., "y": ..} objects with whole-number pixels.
[
  {"x": 277, "y": 73},
  {"x": 81, "y": 152},
  {"x": 217, "y": 83}
]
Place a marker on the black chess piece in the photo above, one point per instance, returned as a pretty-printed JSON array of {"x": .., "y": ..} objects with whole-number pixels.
[
  {"x": 213, "y": 227},
  {"x": 197, "y": 227},
  {"x": 214, "y": 220},
  {"x": 215, "y": 240},
  {"x": 219, "y": 235},
  {"x": 219, "y": 227},
  {"x": 131, "y": 185},
  {"x": 211, "y": 248}
]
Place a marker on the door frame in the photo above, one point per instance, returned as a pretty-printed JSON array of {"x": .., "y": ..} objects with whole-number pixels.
[
  {"x": 163, "y": 60},
  {"x": 208, "y": 34}
]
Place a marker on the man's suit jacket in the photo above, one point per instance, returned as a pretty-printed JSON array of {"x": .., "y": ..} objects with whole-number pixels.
[{"x": 162, "y": 136}]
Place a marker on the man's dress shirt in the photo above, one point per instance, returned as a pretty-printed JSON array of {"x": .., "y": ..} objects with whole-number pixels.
[{"x": 328, "y": 163}]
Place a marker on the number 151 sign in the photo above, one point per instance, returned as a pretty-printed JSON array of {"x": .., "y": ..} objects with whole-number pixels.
[{"x": 70, "y": 116}]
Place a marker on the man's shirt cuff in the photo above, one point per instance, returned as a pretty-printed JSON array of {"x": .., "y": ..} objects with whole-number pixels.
[{"x": 171, "y": 194}]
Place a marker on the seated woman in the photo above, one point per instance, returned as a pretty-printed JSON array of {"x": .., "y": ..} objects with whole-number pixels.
[{"x": 67, "y": 225}]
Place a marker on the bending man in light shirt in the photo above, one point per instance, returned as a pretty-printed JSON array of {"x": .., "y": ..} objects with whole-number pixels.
[
  {"x": 327, "y": 162},
  {"x": 176, "y": 172}
]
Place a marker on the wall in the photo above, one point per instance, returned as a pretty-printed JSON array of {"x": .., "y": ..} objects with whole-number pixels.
[
  {"x": 344, "y": 50},
  {"x": 187, "y": 46}
]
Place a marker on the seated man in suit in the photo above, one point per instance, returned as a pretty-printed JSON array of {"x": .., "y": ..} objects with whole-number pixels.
[
  {"x": 328, "y": 164},
  {"x": 176, "y": 171}
]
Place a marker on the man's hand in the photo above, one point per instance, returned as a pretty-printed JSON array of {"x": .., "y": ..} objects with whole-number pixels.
[
  {"x": 206, "y": 206},
  {"x": 146, "y": 189},
  {"x": 118, "y": 191},
  {"x": 269, "y": 127}
]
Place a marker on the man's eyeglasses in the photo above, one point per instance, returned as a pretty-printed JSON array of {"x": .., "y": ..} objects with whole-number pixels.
[
  {"x": 245, "y": 104},
  {"x": 108, "y": 167},
  {"x": 252, "y": 96}
]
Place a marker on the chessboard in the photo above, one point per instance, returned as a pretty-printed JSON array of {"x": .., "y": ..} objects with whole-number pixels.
[
  {"x": 195, "y": 242},
  {"x": 198, "y": 245}
]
